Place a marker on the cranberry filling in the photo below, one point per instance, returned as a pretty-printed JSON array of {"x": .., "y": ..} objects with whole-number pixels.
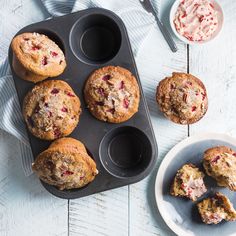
[
  {"x": 44, "y": 61},
  {"x": 122, "y": 83},
  {"x": 70, "y": 94},
  {"x": 126, "y": 103},
  {"x": 64, "y": 109},
  {"x": 35, "y": 48},
  {"x": 215, "y": 159},
  {"x": 55, "y": 91},
  {"x": 101, "y": 91},
  {"x": 54, "y": 54},
  {"x": 67, "y": 173},
  {"x": 50, "y": 114},
  {"x": 57, "y": 132},
  {"x": 106, "y": 77},
  {"x": 194, "y": 108},
  {"x": 112, "y": 110},
  {"x": 100, "y": 103},
  {"x": 203, "y": 96}
]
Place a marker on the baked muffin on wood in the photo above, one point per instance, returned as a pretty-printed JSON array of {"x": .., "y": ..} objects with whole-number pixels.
[
  {"x": 51, "y": 110},
  {"x": 220, "y": 163},
  {"x": 182, "y": 98},
  {"x": 188, "y": 182},
  {"x": 112, "y": 94},
  {"x": 215, "y": 209},
  {"x": 65, "y": 164},
  {"x": 36, "y": 57}
]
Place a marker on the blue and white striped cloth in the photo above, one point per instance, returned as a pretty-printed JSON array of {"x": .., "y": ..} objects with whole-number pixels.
[{"x": 137, "y": 21}]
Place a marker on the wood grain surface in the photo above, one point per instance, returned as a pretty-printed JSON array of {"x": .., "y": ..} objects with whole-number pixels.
[{"x": 27, "y": 209}]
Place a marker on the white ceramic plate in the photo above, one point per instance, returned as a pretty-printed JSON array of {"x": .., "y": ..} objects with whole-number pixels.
[
  {"x": 185, "y": 40},
  {"x": 180, "y": 214}
]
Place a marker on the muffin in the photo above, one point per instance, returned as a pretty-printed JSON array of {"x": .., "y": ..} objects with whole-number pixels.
[
  {"x": 112, "y": 94},
  {"x": 65, "y": 164},
  {"x": 36, "y": 57},
  {"x": 188, "y": 183},
  {"x": 220, "y": 163},
  {"x": 182, "y": 98},
  {"x": 51, "y": 110},
  {"x": 215, "y": 209}
]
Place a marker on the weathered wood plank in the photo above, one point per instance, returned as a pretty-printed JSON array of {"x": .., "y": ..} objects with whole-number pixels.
[
  {"x": 144, "y": 217},
  {"x": 215, "y": 64},
  {"x": 102, "y": 214}
]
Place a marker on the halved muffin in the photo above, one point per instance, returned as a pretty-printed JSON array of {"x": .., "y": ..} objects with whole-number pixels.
[
  {"x": 188, "y": 182},
  {"x": 220, "y": 163},
  {"x": 215, "y": 209}
]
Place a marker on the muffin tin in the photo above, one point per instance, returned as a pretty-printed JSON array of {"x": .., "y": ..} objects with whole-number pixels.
[{"x": 125, "y": 153}]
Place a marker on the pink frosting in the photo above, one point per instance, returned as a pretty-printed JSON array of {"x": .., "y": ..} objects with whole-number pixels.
[{"x": 196, "y": 20}]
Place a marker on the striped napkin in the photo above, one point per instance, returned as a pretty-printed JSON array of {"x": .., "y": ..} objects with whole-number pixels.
[{"x": 137, "y": 21}]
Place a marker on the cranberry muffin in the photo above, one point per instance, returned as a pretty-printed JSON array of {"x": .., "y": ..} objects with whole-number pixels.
[
  {"x": 36, "y": 57},
  {"x": 112, "y": 94},
  {"x": 215, "y": 209},
  {"x": 65, "y": 164},
  {"x": 188, "y": 182},
  {"x": 182, "y": 98},
  {"x": 51, "y": 110},
  {"x": 220, "y": 163}
]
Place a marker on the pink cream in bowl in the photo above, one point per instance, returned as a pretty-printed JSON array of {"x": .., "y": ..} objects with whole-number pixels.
[{"x": 196, "y": 20}]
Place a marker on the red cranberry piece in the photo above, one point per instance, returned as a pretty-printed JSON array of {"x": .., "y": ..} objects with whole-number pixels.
[
  {"x": 201, "y": 18},
  {"x": 215, "y": 159},
  {"x": 46, "y": 104},
  {"x": 101, "y": 91},
  {"x": 54, "y": 54},
  {"x": 234, "y": 154},
  {"x": 70, "y": 94},
  {"x": 64, "y": 109},
  {"x": 81, "y": 177},
  {"x": 67, "y": 173},
  {"x": 190, "y": 83},
  {"x": 35, "y": 48},
  {"x": 44, "y": 61},
  {"x": 50, "y": 114},
  {"x": 211, "y": 5},
  {"x": 203, "y": 96},
  {"x": 55, "y": 91},
  {"x": 57, "y": 132},
  {"x": 112, "y": 110},
  {"x": 100, "y": 103},
  {"x": 122, "y": 84},
  {"x": 184, "y": 15},
  {"x": 194, "y": 108},
  {"x": 126, "y": 103},
  {"x": 30, "y": 121},
  {"x": 106, "y": 77}
]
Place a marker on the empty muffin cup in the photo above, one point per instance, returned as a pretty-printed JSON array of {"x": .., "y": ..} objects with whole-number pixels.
[
  {"x": 125, "y": 152},
  {"x": 95, "y": 38}
]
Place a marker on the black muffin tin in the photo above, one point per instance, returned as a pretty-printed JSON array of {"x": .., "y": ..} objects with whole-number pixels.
[{"x": 125, "y": 153}]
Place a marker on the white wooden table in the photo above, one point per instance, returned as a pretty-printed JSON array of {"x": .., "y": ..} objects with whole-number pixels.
[{"x": 27, "y": 209}]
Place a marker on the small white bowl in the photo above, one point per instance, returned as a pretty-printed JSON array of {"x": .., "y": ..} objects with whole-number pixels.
[{"x": 185, "y": 40}]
